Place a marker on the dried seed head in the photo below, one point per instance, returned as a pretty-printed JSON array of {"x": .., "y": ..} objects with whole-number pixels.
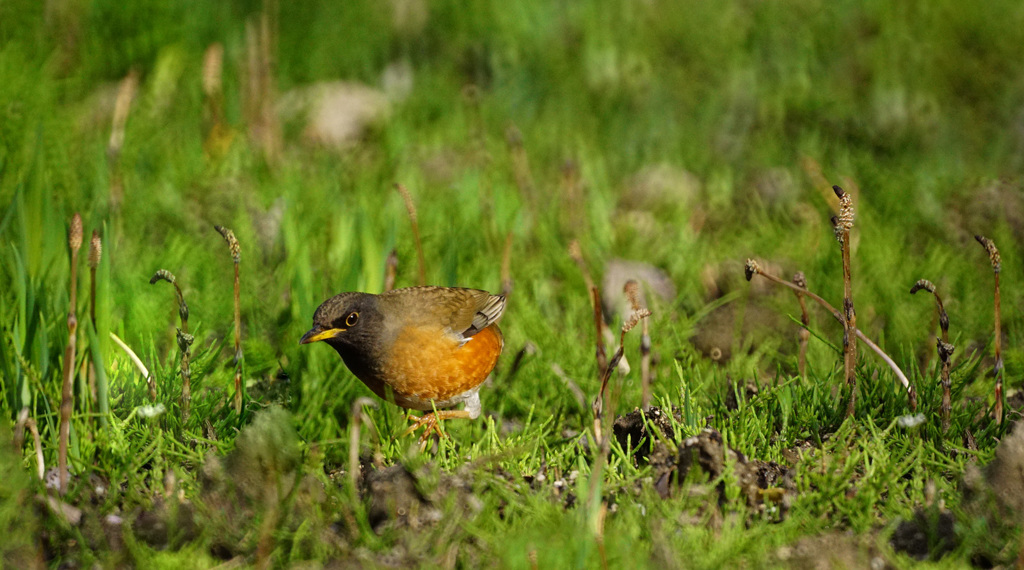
[
  {"x": 844, "y": 221},
  {"x": 575, "y": 252},
  {"x": 923, "y": 284},
  {"x": 635, "y": 318},
  {"x": 993, "y": 253},
  {"x": 162, "y": 274},
  {"x": 75, "y": 233},
  {"x": 836, "y": 229},
  {"x": 800, "y": 280},
  {"x": 213, "y": 65},
  {"x": 632, "y": 291},
  {"x": 229, "y": 236},
  {"x": 410, "y": 206},
  {"x": 185, "y": 340},
  {"x": 95, "y": 249},
  {"x": 751, "y": 268},
  {"x": 945, "y": 349}
]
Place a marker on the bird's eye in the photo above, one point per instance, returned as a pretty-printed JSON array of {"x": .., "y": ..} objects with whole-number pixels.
[{"x": 351, "y": 319}]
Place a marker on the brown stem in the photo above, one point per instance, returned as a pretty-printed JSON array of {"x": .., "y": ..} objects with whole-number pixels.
[
  {"x": 602, "y": 356},
  {"x": 945, "y": 354},
  {"x": 67, "y": 402},
  {"x": 993, "y": 256},
  {"x": 844, "y": 223},
  {"x": 753, "y": 268},
  {"x": 238, "y": 346},
  {"x": 637, "y": 303},
  {"x": 184, "y": 342},
  {"x": 999, "y": 357},
  {"x": 805, "y": 333},
  {"x": 390, "y": 271},
  {"x": 646, "y": 375},
  {"x": 236, "y": 257},
  {"x": 945, "y": 349}
]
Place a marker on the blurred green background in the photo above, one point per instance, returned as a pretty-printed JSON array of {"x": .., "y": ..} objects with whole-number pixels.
[{"x": 687, "y": 135}]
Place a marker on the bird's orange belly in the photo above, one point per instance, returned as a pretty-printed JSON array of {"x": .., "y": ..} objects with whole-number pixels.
[{"x": 426, "y": 366}]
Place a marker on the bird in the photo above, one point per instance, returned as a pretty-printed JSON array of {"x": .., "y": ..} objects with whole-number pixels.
[{"x": 423, "y": 348}]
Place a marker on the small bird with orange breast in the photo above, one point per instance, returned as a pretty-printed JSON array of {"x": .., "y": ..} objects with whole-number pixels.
[{"x": 423, "y": 348}]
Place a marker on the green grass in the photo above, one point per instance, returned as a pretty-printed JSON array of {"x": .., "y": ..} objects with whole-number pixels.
[{"x": 918, "y": 104}]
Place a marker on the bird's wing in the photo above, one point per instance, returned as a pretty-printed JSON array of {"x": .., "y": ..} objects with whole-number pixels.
[{"x": 464, "y": 312}]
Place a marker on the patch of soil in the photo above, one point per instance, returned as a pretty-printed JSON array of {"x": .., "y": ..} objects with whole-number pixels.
[
  {"x": 929, "y": 534},
  {"x": 632, "y": 434},
  {"x": 749, "y": 390},
  {"x": 396, "y": 497},
  {"x": 761, "y": 482}
]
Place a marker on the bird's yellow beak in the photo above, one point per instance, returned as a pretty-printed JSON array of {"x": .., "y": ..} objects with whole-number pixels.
[{"x": 317, "y": 334}]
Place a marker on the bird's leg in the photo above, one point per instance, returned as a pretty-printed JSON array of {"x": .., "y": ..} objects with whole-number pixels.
[{"x": 431, "y": 420}]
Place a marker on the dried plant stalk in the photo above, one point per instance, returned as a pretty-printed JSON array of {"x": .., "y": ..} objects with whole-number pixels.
[
  {"x": 926, "y": 285},
  {"x": 236, "y": 257},
  {"x": 945, "y": 349},
  {"x": 598, "y": 405},
  {"x": 843, "y": 225},
  {"x": 637, "y": 302},
  {"x": 576, "y": 254},
  {"x": 184, "y": 339},
  {"x": 390, "y": 270},
  {"x": 19, "y": 432},
  {"x": 95, "y": 251},
  {"x": 67, "y": 402},
  {"x": 410, "y": 207},
  {"x": 138, "y": 365},
  {"x": 945, "y": 355},
  {"x": 599, "y": 353},
  {"x": 753, "y": 268},
  {"x": 97, "y": 382},
  {"x": 997, "y": 265},
  {"x": 805, "y": 333}
]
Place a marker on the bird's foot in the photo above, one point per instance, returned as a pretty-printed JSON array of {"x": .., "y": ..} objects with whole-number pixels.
[{"x": 431, "y": 424}]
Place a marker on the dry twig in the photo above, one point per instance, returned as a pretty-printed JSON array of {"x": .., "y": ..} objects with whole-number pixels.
[
  {"x": 843, "y": 223},
  {"x": 997, "y": 265},
  {"x": 945, "y": 349},
  {"x": 805, "y": 333},
  {"x": 67, "y": 401},
  {"x": 753, "y": 268},
  {"x": 184, "y": 342},
  {"x": 236, "y": 257}
]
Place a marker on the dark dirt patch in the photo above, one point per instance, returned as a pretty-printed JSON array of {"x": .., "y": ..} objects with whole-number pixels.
[
  {"x": 396, "y": 497},
  {"x": 928, "y": 535},
  {"x": 631, "y": 430},
  {"x": 706, "y": 456},
  {"x": 749, "y": 391}
]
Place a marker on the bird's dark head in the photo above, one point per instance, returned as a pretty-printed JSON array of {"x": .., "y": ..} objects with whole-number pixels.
[{"x": 350, "y": 322}]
